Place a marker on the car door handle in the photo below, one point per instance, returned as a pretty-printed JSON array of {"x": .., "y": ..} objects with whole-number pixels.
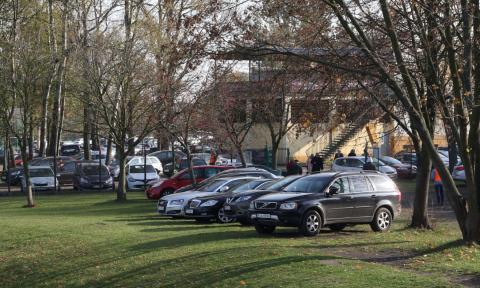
[{"x": 374, "y": 196}]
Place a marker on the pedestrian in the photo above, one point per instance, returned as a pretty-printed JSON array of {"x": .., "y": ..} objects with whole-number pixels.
[
  {"x": 369, "y": 166},
  {"x": 438, "y": 187},
  {"x": 339, "y": 154},
  {"x": 352, "y": 153},
  {"x": 298, "y": 168},
  {"x": 291, "y": 167},
  {"x": 309, "y": 164},
  {"x": 317, "y": 163},
  {"x": 213, "y": 157}
]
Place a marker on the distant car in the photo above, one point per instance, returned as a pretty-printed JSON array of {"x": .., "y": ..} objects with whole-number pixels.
[
  {"x": 211, "y": 207},
  {"x": 174, "y": 204},
  {"x": 181, "y": 179},
  {"x": 48, "y": 161},
  {"x": 329, "y": 199},
  {"x": 170, "y": 169},
  {"x": 151, "y": 160},
  {"x": 355, "y": 164},
  {"x": 407, "y": 157},
  {"x": 70, "y": 150},
  {"x": 167, "y": 156},
  {"x": 238, "y": 205},
  {"x": 140, "y": 176},
  {"x": 459, "y": 173},
  {"x": 41, "y": 179},
  {"x": 13, "y": 176},
  {"x": 90, "y": 175},
  {"x": 403, "y": 170},
  {"x": 230, "y": 172},
  {"x": 66, "y": 173}
]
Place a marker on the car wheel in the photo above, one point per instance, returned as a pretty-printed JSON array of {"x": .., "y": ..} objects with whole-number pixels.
[
  {"x": 166, "y": 192},
  {"x": 311, "y": 223},
  {"x": 264, "y": 229},
  {"x": 337, "y": 227},
  {"x": 222, "y": 218},
  {"x": 202, "y": 220},
  {"x": 382, "y": 220}
]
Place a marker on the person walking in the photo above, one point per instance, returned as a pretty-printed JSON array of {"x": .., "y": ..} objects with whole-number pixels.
[
  {"x": 317, "y": 163},
  {"x": 298, "y": 168},
  {"x": 352, "y": 153},
  {"x": 309, "y": 164},
  {"x": 339, "y": 154},
  {"x": 437, "y": 184}
]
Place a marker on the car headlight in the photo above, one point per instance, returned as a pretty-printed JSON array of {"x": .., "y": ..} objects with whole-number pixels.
[
  {"x": 288, "y": 206},
  {"x": 109, "y": 181},
  {"x": 130, "y": 179},
  {"x": 243, "y": 198},
  {"x": 176, "y": 202},
  {"x": 209, "y": 203},
  {"x": 83, "y": 180}
]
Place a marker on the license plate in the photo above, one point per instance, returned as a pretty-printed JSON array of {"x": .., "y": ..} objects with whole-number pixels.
[
  {"x": 161, "y": 208},
  {"x": 227, "y": 208},
  {"x": 265, "y": 216},
  {"x": 189, "y": 211}
]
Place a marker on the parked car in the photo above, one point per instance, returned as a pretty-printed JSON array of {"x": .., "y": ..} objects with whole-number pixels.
[
  {"x": 229, "y": 172},
  {"x": 355, "y": 164},
  {"x": 332, "y": 200},
  {"x": 139, "y": 160},
  {"x": 403, "y": 170},
  {"x": 41, "y": 179},
  {"x": 13, "y": 175},
  {"x": 71, "y": 150},
  {"x": 174, "y": 204},
  {"x": 459, "y": 173},
  {"x": 211, "y": 206},
  {"x": 170, "y": 169},
  {"x": 66, "y": 173},
  {"x": 90, "y": 175},
  {"x": 239, "y": 204},
  {"x": 48, "y": 161},
  {"x": 167, "y": 156},
  {"x": 411, "y": 158},
  {"x": 140, "y": 176},
  {"x": 181, "y": 179}
]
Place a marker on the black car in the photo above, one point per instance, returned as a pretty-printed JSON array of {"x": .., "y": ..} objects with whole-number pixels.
[
  {"x": 70, "y": 150},
  {"x": 91, "y": 175},
  {"x": 331, "y": 200},
  {"x": 13, "y": 175},
  {"x": 211, "y": 207},
  {"x": 238, "y": 172},
  {"x": 238, "y": 206}
]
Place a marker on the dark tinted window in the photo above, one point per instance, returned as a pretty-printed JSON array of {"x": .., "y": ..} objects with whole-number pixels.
[
  {"x": 94, "y": 170},
  {"x": 209, "y": 172},
  {"x": 43, "y": 172},
  {"x": 341, "y": 162},
  {"x": 359, "y": 184},
  {"x": 342, "y": 185},
  {"x": 140, "y": 169},
  {"x": 197, "y": 172},
  {"x": 354, "y": 163},
  {"x": 70, "y": 149},
  {"x": 308, "y": 184},
  {"x": 235, "y": 183},
  {"x": 212, "y": 186},
  {"x": 382, "y": 183},
  {"x": 277, "y": 184}
]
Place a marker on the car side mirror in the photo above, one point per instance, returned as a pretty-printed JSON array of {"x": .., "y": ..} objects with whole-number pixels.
[{"x": 332, "y": 190}]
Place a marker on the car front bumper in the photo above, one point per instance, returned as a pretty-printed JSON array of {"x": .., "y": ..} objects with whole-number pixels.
[
  {"x": 164, "y": 209},
  {"x": 202, "y": 212},
  {"x": 140, "y": 185}
]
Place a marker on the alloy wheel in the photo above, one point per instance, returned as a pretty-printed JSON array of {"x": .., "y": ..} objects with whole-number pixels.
[
  {"x": 383, "y": 220},
  {"x": 313, "y": 223},
  {"x": 222, "y": 217}
]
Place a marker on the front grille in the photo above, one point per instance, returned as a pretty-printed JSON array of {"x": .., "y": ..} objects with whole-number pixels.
[
  {"x": 40, "y": 184},
  {"x": 195, "y": 203},
  {"x": 141, "y": 180},
  {"x": 265, "y": 205}
]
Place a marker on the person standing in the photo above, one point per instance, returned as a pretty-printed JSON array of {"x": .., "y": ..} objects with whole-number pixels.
[
  {"x": 437, "y": 183},
  {"x": 369, "y": 166},
  {"x": 352, "y": 153},
  {"x": 339, "y": 154},
  {"x": 317, "y": 163},
  {"x": 298, "y": 168},
  {"x": 309, "y": 164}
]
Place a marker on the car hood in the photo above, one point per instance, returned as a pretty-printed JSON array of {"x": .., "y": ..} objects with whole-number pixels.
[
  {"x": 141, "y": 175},
  {"x": 186, "y": 195},
  {"x": 280, "y": 196},
  {"x": 42, "y": 180}
]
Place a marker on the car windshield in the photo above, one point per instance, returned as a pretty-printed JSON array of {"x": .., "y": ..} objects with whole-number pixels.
[
  {"x": 308, "y": 184},
  {"x": 212, "y": 186},
  {"x": 42, "y": 172},
  {"x": 391, "y": 160},
  {"x": 141, "y": 168},
  {"x": 278, "y": 184},
  {"x": 94, "y": 170},
  {"x": 248, "y": 186}
]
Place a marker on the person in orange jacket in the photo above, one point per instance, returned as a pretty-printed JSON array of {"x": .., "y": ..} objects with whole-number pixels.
[{"x": 437, "y": 183}]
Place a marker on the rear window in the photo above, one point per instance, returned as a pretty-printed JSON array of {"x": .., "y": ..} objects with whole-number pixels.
[{"x": 382, "y": 183}]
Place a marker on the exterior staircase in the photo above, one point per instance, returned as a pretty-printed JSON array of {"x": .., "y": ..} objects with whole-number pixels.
[{"x": 347, "y": 134}]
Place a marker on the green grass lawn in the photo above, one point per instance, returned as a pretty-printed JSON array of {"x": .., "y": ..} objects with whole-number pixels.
[{"x": 89, "y": 240}]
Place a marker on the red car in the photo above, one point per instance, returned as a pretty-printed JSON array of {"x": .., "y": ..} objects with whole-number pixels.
[{"x": 181, "y": 179}]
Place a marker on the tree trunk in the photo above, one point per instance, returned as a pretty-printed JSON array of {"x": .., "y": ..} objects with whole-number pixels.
[
  {"x": 28, "y": 186},
  {"x": 190, "y": 166},
  {"x": 122, "y": 185},
  {"x": 240, "y": 154},
  {"x": 86, "y": 128},
  {"x": 30, "y": 141},
  {"x": 420, "y": 217},
  {"x": 108, "y": 158}
]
